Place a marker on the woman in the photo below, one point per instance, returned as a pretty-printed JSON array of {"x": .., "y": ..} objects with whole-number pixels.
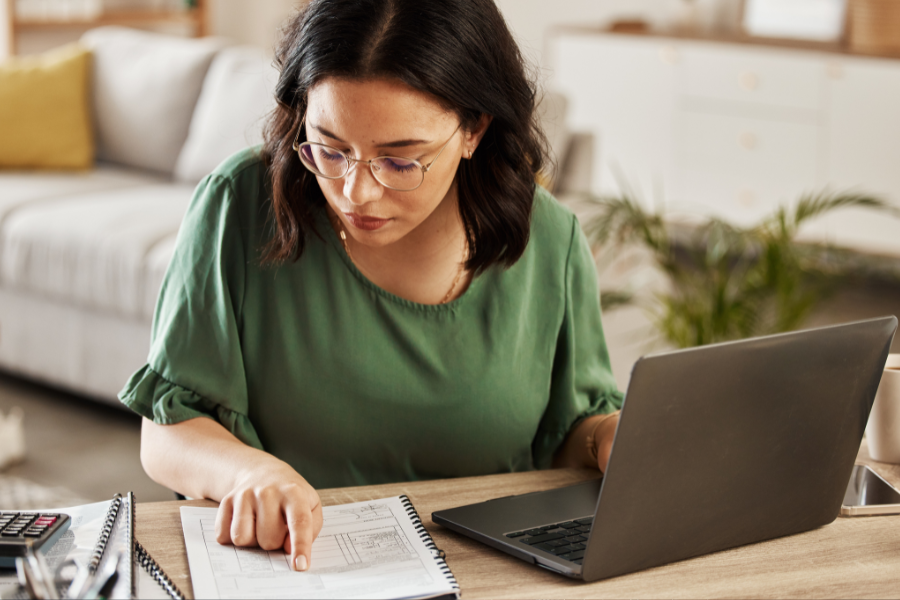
[{"x": 381, "y": 293}]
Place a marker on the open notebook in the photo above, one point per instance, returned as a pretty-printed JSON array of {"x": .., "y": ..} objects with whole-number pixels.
[{"x": 375, "y": 549}]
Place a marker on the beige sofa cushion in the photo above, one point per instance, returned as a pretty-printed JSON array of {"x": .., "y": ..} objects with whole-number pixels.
[
  {"x": 21, "y": 188},
  {"x": 105, "y": 250},
  {"x": 237, "y": 96},
  {"x": 145, "y": 87}
]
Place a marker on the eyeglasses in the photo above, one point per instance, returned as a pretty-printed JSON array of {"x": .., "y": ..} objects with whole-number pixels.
[{"x": 393, "y": 172}]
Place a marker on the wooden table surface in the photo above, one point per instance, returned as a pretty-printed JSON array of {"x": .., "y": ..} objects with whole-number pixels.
[{"x": 852, "y": 557}]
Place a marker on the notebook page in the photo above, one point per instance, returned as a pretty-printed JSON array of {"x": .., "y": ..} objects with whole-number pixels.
[{"x": 365, "y": 550}]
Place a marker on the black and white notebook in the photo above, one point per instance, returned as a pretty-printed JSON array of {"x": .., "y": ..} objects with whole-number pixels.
[
  {"x": 375, "y": 549},
  {"x": 138, "y": 574}
]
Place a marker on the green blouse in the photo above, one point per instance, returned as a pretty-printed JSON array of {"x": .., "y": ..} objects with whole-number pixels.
[{"x": 352, "y": 385}]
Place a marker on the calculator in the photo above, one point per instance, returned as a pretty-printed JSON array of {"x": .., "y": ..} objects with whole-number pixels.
[{"x": 18, "y": 530}]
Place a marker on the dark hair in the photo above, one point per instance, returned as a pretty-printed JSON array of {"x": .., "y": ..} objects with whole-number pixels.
[{"x": 458, "y": 51}]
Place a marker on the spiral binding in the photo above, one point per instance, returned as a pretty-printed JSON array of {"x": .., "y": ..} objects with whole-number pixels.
[
  {"x": 142, "y": 557},
  {"x": 148, "y": 564},
  {"x": 105, "y": 532},
  {"x": 436, "y": 552}
]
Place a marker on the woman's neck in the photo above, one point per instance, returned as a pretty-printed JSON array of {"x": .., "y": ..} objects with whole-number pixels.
[{"x": 425, "y": 264}]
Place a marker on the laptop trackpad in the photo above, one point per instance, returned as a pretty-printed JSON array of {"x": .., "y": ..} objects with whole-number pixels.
[{"x": 513, "y": 513}]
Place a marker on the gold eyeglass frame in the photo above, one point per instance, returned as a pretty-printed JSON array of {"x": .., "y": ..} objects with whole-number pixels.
[{"x": 350, "y": 160}]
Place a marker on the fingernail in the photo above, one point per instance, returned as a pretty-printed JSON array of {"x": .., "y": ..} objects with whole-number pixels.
[{"x": 301, "y": 563}]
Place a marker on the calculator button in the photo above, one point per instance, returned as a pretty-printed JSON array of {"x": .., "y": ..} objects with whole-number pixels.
[
  {"x": 34, "y": 534},
  {"x": 9, "y": 533}
]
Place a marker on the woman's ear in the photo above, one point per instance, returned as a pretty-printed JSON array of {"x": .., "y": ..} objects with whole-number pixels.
[{"x": 473, "y": 137}]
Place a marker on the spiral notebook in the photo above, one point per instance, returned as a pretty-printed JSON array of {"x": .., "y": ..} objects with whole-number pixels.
[
  {"x": 375, "y": 549},
  {"x": 101, "y": 542},
  {"x": 139, "y": 576}
]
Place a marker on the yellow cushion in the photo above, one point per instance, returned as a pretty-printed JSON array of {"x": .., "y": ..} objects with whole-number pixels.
[{"x": 45, "y": 115}]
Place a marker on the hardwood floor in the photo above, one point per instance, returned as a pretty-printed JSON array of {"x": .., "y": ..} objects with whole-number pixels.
[{"x": 89, "y": 448}]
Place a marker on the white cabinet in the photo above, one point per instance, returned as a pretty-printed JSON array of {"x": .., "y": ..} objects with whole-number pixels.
[
  {"x": 736, "y": 130},
  {"x": 759, "y": 77},
  {"x": 862, "y": 150},
  {"x": 628, "y": 100},
  {"x": 739, "y": 167}
]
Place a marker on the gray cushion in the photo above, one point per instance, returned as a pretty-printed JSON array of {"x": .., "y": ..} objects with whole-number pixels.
[
  {"x": 145, "y": 87},
  {"x": 104, "y": 250},
  {"x": 238, "y": 94}
]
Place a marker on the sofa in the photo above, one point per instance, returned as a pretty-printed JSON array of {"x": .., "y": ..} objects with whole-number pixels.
[{"x": 83, "y": 254}]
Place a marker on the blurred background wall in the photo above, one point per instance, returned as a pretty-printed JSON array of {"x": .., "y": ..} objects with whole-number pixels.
[{"x": 257, "y": 22}]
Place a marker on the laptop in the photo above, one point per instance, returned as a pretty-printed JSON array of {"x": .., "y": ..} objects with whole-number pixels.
[{"x": 716, "y": 447}]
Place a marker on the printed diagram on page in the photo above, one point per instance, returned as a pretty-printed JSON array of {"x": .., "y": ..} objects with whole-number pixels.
[{"x": 364, "y": 549}]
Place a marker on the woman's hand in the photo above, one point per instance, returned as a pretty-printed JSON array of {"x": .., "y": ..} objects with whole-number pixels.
[
  {"x": 272, "y": 507},
  {"x": 263, "y": 501},
  {"x": 575, "y": 451},
  {"x": 604, "y": 433}
]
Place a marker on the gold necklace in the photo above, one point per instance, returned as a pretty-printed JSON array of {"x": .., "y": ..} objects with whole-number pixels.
[{"x": 462, "y": 266}]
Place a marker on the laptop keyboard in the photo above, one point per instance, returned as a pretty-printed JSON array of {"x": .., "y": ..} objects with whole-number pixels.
[{"x": 567, "y": 540}]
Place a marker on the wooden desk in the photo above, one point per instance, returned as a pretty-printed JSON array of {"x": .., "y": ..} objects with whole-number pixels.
[{"x": 851, "y": 557}]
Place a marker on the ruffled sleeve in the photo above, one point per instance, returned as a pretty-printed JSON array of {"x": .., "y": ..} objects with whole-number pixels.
[
  {"x": 195, "y": 367},
  {"x": 582, "y": 382},
  {"x": 165, "y": 403}
]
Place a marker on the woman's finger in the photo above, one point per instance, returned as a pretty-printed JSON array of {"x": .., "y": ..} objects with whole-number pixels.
[
  {"x": 302, "y": 528},
  {"x": 243, "y": 520},
  {"x": 223, "y": 521},
  {"x": 270, "y": 526}
]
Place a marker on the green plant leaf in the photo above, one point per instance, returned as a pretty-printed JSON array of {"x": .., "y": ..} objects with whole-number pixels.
[{"x": 729, "y": 282}]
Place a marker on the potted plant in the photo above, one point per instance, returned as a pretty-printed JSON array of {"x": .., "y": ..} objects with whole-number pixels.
[{"x": 724, "y": 282}]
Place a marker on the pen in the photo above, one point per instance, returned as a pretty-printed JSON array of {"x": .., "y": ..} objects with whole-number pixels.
[{"x": 34, "y": 574}]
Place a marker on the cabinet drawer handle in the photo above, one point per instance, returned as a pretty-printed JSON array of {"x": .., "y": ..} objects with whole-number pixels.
[
  {"x": 749, "y": 81},
  {"x": 748, "y": 140}
]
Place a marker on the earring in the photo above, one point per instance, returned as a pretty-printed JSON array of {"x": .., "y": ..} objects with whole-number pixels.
[{"x": 470, "y": 154}]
